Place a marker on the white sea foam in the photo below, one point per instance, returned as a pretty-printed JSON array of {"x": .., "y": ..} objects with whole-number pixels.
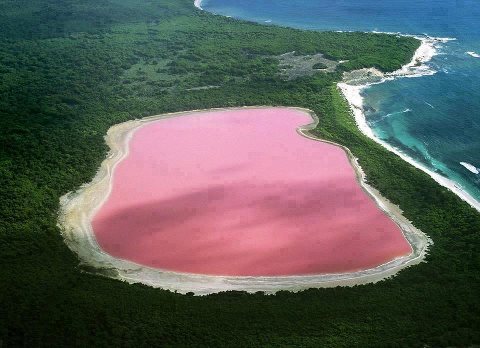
[
  {"x": 428, "y": 49},
  {"x": 429, "y": 104},
  {"x": 198, "y": 4},
  {"x": 416, "y": 68},
  {"x": 397, "y": 113},
  {"x": 471, "y": 167},
  {"x": 390, "y": 115},
  {"x": 268, "y": 21},
  {"x": 473, "y": 54}
]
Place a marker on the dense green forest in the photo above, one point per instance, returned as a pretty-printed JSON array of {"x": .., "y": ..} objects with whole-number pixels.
[{"x": 70, "y": 69}]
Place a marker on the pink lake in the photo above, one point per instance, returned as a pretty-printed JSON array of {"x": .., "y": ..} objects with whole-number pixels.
[{"x": 242, "y": 193}]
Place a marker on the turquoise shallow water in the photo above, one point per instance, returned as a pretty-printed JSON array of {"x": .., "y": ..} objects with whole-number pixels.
[{"x": 434, "y": 119}]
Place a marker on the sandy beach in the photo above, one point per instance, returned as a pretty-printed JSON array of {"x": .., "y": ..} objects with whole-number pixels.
[
  {"x": 415, "y": 68},
  {"x": 78, "y": 209},
  {"x": 352, "y": 89},
  {"x": 198, "y": 4}
]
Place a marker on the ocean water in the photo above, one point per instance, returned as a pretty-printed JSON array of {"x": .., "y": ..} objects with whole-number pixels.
[{"x": 433, "y": 119}]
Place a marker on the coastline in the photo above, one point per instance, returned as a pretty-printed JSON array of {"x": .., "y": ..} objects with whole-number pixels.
[
  {"x": 78, "y": 208},
  {"x": 198, "y": 4},
  {"x": 415, "y": 68}
]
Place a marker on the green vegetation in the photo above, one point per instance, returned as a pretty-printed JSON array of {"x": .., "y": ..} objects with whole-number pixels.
[{"x": 71, "y": 69}]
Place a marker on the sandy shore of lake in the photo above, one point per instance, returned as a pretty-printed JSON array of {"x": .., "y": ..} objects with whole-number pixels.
[{"x": 78, "y": 208}]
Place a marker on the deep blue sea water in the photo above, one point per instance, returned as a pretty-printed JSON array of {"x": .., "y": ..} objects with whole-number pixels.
[{"x": 434, "y": 119}]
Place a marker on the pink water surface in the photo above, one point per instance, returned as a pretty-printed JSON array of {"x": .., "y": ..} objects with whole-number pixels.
[{"x": 242, "y": 193}]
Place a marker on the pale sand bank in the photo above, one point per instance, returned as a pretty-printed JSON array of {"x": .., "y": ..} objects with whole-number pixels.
[
  {"x": 355, "y": 82},
  {"x": 198, "y": 4},
  {"x": 78, "y": 209}
]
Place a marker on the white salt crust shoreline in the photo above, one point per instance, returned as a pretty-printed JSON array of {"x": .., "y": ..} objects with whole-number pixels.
[
  {"x": 416, "y": 68},
  {"x": 78, "y": 208}
]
